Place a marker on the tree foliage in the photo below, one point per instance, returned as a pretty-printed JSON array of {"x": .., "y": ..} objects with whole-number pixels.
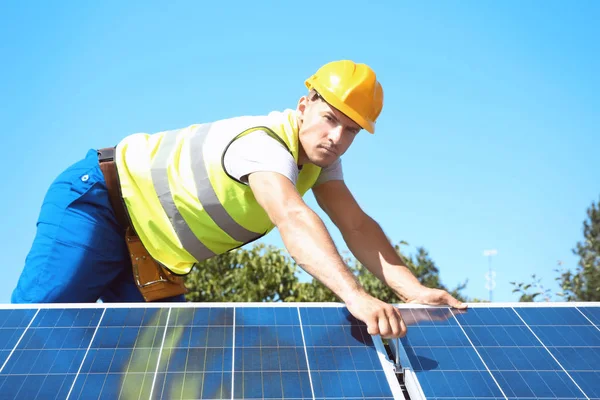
[
  {"x": 266, "y": 273},
  {"x": 583, "y": 284},
  {"x": 262, "y": 273},
  {"x": 533, "y": 291}
]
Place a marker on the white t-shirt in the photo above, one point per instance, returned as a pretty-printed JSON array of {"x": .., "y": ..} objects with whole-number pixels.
[{"x": 257, "y": 151}]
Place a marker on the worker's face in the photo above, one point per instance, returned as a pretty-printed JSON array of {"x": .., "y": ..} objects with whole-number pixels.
[{"x": 325, "y": 133}]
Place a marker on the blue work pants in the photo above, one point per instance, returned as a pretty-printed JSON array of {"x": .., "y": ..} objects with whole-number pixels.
[{"x": 79, "y": 252}]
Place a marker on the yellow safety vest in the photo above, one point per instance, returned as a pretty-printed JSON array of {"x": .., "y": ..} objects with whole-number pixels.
[{"x": 182, "y": 203}]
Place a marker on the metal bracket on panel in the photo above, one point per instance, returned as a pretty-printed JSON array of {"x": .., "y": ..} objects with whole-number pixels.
[
  {"x": 386, "y": 357},
  {"x": 404, "y": 372},
  {"x": 398, "y": 364}
]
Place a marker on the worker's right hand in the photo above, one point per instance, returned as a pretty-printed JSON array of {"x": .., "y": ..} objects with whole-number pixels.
[{"x": 381, "y": 318}]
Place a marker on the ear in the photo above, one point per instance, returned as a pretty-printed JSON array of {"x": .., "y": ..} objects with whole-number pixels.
[{"x": 301, "y": 107}]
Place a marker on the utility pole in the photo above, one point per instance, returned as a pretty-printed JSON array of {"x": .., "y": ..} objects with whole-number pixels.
[{"x": 490, "y": 276}]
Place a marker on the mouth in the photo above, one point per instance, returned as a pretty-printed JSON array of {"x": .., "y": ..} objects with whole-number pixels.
[{"x": 329, "y": 150}]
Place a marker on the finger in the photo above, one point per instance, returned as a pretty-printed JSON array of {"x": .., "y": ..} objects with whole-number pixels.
[
  {"x": 384, "y": 325},
  {"x": 455, "y": 303},
  {"x": 394, "y": 319},
  {"x": 372, "y": 326},
  {"x": 403, "y": 329},
  {"x": 402, "y": 325}
]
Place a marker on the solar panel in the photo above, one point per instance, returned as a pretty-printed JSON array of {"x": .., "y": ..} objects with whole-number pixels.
[
  {"x": 297, "y": 351},
  {"x": 191, "y": 351},
  {"x": 503, "y": 352}
]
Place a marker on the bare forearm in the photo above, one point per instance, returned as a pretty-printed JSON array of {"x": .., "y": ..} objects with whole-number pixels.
[
  {"x": 372, "y": 248},
  {"x": 306, "y": 238}
]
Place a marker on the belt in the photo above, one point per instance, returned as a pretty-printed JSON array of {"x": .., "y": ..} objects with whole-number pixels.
[{"x": 106, "y": 158}]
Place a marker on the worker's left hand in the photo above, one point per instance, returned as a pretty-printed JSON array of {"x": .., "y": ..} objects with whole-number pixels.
[{"x": 435, "y": 297}]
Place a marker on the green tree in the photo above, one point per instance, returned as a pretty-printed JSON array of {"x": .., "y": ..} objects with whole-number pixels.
[
  {"x": 265, "y": 273},
  {"x": 583, "y": 284},
  {"x": 531, "y": 291},
  {"x": 422, "y": 266},
  {"x": 262, "y": 273}
]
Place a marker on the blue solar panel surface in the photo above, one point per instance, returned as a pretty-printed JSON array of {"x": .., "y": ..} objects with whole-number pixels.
[
  {"x": 505, "y": 352},
  {"x": 188, "y": 352},
  {"x": 293, "y": 352}
]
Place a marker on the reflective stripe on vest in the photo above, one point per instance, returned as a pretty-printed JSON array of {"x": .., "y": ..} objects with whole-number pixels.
[{"x": 205, "y": 194}]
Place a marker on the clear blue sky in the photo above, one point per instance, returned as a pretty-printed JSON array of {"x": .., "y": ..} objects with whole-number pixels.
[{"x": 488, "y": 139}]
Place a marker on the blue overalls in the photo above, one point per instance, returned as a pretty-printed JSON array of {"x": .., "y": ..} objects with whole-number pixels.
[{"x": 79, "y": 252}]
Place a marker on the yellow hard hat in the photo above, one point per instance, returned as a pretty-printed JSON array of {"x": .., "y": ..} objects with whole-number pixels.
[{"x": 352, "y": 88}]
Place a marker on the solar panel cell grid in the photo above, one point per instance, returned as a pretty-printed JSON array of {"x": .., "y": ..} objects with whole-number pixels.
[
  {"x": 12, "y": 326},
  {"x": 295, "y": 352},
  {"x": 445, "y": 362},
  {"x": 49, "y": 353},
  {"x": 222, "y": 352},
  {"x": 573, "y": 340},
  {"x": 528, "y": 352},
  {"x": 342, "y": 356},
  {"x": 122, "y": 357},
  {"x": 592, "y": 314},
  {"x": 270, "y": 360}
]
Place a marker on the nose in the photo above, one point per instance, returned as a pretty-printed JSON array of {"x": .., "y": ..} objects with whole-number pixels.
[{"x": 335, "y": 134}]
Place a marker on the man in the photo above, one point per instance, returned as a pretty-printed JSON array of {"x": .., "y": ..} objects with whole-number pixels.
[{"x": 124, "y": 223}]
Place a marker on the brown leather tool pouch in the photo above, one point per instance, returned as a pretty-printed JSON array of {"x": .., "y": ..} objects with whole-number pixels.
[{"x": 153, "y": 280}]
